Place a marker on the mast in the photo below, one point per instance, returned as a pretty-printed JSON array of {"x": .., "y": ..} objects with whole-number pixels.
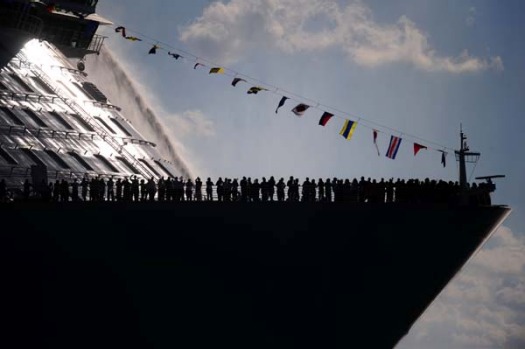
[{"x": 463, "y": 155}]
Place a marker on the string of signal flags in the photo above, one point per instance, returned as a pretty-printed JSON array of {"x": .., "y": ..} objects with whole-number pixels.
[{"x": 303, "y": 104}]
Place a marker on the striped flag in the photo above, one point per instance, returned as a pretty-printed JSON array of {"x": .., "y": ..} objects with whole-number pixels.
[
  {"x": 325, "y": 118},
  {"x": 395, "y": 142},
  {"x": 348, "y": 129}
]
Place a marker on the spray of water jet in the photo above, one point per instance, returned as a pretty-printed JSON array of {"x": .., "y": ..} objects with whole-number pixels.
[{"x": 108, "y": 73}]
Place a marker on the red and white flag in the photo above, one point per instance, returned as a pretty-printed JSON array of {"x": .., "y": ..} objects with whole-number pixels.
[
  {"x": 418, "y": 147},
  {"x": 395, "y": 142}
]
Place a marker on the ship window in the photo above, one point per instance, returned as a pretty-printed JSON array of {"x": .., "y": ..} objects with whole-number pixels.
[
  {"x": 164, "y": 168},
  {"x": 21, "y": 82},
  {"x": 33, "y": 156},
  {"x": 122, "y": 128},
  {"x": 83, "y": 122},
  {"x": 108, "y": 164},
  {"x": 94, "y": 92},
  {"x": 35, "y": 118},
  {"x": 105, "y": 124},
  {"x": 61, "y": 120},
  {"x": 81, "y": 161},
  {"x": 42, "y": 85},
  {"x": 150, "y": 167},
  {"x": 57, "y": 159},
  {"x": 128, "y": 165},
  {"x": 5, "y": 155},
  {"x": 12, "y": 116}
]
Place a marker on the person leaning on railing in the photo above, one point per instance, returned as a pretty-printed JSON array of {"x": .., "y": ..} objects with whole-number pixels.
[{"x": 411, "y": 191}]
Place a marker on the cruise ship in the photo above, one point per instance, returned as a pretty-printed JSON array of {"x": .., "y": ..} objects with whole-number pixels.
[{"x": 199, "y": 274}]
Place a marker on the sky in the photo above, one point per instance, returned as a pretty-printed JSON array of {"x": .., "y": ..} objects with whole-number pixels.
[{"x": 409, "y": 68}]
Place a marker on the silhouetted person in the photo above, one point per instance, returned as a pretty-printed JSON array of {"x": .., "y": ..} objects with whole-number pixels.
[
  {"x": 255, "y": 190},
  {"x": 101, "y": 189},
  {"x": 328, "y": 190},
  {"x": 170, "y": 189},
  {"x": 347, "y": 191},
  {"x": 118, "y": 186},
  {"x": 271, "y": 187},
  {"x": 305, "y": 194},
  {"x": 151, "y": 188},
  {"x": 209, "y": 189},
  {"x": 219, "y": 189},
  {"x": 295, "y": 189},
  {"x": 110, "y": 185},
  {"x": 143, "y": 190},
  {"x": 389, "y": 188},
  {"x": 280, "y": 189},
  {"x": 126, "y": 190},
  {"x": 320, "y": 189},
  {"x": 244, "y": 189},
  {"x": 198, "y": 189},
  {"x": 226, "y": 189},
  {"x": 189, "y": 190},
  {"x": 135, "y": 188},
  {"x": 84, "y": 188},
  {"x": 161, "y": 186},
  {"x": 56, "y": 191},
  {"x": 361, "y": 192},
  {"x": 93, "y": 191},
  {"x": 290, "y": 185},
  {"x": 235, "y": 190},
  {"x": 264, "y": 189},
  {"x": 312, "y": 190},
  {"x": 74, "y": 190},
  {"x": 64, "y": 191}
]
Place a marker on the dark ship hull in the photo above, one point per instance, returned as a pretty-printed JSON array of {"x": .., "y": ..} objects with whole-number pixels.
[{"x": 237, "y": 275}]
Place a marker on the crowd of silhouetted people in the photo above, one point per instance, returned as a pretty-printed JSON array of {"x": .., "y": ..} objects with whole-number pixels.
[{"x": 179, "y": 189}]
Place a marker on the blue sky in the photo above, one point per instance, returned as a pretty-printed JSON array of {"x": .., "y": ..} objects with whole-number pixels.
[{"x": 416, "y": 68}]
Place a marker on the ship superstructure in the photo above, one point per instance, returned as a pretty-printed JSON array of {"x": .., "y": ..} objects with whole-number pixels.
[{"x": 55, "y": 123}]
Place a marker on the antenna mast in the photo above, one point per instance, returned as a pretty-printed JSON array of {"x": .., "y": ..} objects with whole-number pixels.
[{"x": 463, "y": 155}]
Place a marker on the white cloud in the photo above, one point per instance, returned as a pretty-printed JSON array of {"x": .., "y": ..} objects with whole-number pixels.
[
  {"x": 226, "y": 30},
  {"x": 484, "y": 307}
]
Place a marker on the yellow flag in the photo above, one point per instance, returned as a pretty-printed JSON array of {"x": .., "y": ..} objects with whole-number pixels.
[{"x": 217, "y": 70}]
